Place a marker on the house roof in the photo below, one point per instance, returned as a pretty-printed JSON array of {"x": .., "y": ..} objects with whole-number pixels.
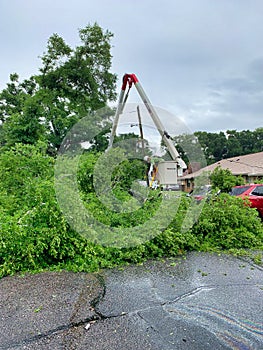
[{"x": 249, "y": 164}]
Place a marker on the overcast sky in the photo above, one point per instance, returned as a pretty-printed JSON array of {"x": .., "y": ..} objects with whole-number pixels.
[{"x": 201, "y": 60}]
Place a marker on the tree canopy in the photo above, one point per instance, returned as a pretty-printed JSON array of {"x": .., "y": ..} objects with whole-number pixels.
[
  {"x": 217, "y": 146},
  {"x": 72, "y": 83},
  {"x": 207, "y": 148}
]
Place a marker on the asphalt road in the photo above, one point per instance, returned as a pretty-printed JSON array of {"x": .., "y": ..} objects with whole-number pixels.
[{"x": 200, "y": 301}]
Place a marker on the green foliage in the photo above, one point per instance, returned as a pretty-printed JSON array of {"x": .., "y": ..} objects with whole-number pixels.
[
  {"x": 86, "y": 169},
  {"x": 35, "y": 235},
  {"x": 217, "y": 146},
  {"x": 72, "y": 83},
  {"x": 127, "y": 172},
  {"x": 226, "y": 222},
  {"x": 190, "y": 150},
  {"x": 224, "y": 180},
  {"x": 24, "y": 127},
  {"x": 214, "y": 145},
  {"x": 21, "y": 170}
]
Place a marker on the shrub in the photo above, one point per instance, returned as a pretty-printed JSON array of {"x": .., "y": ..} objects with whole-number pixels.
[
  {"x": 224, "y": 179},
  {"x": 226, "y": 223}
]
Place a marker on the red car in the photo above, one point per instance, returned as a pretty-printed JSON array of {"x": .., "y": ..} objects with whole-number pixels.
[{"x": 254, "y": 193}]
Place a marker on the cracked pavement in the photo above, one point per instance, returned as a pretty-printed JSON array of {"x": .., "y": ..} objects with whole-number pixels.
[{"x": 199, "y": 301}]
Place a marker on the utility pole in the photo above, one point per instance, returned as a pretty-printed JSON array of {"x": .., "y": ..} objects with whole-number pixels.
[{"x": 140, "y": 127}]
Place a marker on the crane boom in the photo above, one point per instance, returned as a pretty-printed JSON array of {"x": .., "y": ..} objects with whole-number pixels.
[{"x": 129, "y": 80}]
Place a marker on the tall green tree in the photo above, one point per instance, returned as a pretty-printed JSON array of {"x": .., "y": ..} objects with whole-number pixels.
[
  {"x": 13, "y": 97},
  {"x": 214, "y": 145},
  {"x": 72, "y": 84}
]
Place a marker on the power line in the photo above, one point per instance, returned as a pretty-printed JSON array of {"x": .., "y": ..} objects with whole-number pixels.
[{"x": 240, "y": 162}]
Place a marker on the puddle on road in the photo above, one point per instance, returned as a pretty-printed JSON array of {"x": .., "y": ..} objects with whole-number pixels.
[{"x": 241, "y": 334}]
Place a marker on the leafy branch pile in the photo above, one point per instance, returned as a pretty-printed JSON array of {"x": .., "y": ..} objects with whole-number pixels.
[{"x": 36, "y": 236}]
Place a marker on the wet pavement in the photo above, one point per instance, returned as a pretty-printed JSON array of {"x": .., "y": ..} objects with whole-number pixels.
[{"x": 199, "y": 301}]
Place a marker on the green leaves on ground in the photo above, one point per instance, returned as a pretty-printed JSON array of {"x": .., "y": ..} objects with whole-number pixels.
[{"x": 35, "y": 235}]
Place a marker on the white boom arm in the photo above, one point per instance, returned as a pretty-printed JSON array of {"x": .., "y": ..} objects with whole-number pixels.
[{"x": 132, "y": 79}]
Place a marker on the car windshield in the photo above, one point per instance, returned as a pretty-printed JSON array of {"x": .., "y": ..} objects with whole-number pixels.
[
  {"x": 201, "y": 191},
  {"x": 236, "y": 191}
]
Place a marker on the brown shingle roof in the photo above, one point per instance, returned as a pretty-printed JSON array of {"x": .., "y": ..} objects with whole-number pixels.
[{"x": 249, "y": 164}]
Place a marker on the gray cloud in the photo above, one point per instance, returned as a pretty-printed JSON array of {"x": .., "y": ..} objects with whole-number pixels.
[
  {"x": 201, "y": 60},
  {"x": 234, "y": 102}
]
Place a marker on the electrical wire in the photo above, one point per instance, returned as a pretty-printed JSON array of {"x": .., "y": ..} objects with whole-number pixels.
[{"x": 240, "y": 162}]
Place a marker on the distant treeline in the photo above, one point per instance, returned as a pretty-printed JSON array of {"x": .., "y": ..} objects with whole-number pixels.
[{"x": 217, "y": 146}]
